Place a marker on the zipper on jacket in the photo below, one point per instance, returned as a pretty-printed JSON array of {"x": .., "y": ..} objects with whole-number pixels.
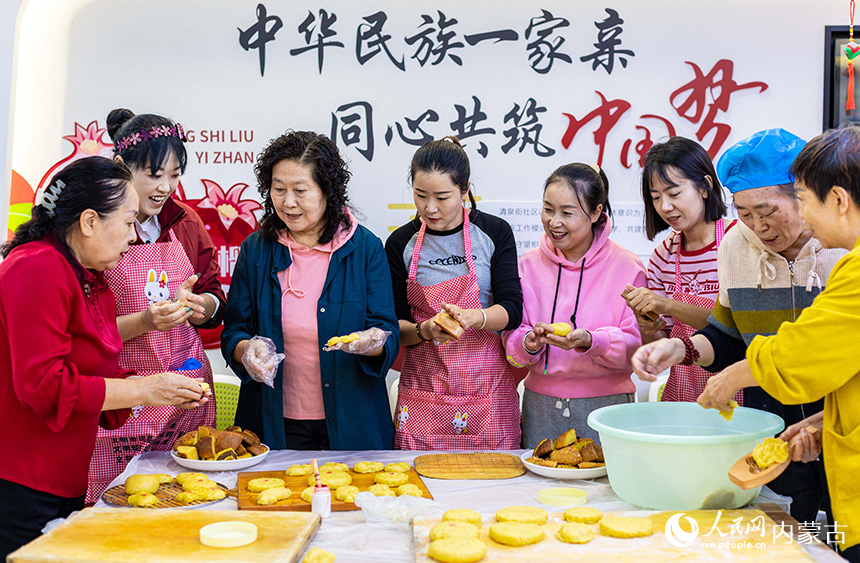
[{"x": 791, "y": 288}]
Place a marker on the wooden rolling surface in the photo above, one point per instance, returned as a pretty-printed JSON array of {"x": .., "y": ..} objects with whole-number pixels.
[
  {"x": 479, "y": 465},
  {"x": 248, "y": 500},
  {"x": 654, "y": 548}
]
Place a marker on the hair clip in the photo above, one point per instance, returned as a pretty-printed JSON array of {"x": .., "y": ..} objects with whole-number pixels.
[
  {"x": 595, "y": 167},
  {"x": 48, "y": 198}
]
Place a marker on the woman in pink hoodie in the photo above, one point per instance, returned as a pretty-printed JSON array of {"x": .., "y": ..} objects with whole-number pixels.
[{"x": 576, "y": 276}]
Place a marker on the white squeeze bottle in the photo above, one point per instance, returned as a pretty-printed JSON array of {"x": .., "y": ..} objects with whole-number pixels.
[{"x": 321, "y": 497}]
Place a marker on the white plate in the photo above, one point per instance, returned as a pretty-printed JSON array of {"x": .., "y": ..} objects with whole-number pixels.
[
  {"x": 562, "y": 473},
  {"x": 224, "y": 465}
]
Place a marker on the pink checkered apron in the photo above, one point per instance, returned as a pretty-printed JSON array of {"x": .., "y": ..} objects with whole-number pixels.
[
  {"x": 686, "y": 383},
  {"x": 150, "y": 428},
  {"x": 460, "y": 395}
]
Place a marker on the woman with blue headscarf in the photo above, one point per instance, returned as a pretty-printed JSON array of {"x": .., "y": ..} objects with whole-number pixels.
[{"x": 770, "y": 268}]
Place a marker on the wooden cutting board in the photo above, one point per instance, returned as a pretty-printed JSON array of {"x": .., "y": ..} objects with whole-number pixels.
[
  {"x": 480, "y": 465},
  {"x": 126, "y": 535},
  {"x": 655, "y": 548},
  {"x": 248, "y": 500}
]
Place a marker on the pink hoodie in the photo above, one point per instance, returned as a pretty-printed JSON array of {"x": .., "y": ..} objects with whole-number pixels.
[
  {"x": 301, "y": 286},
  {"x": 604, "y": 369}
]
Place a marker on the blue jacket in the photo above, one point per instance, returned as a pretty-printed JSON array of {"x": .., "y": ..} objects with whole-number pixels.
[{"x": 357, "y": 295}]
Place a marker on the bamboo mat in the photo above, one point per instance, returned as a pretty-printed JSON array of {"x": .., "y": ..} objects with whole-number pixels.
[
  {"x": 166, "y": 495},
  {"x": 479, "y": 465}
]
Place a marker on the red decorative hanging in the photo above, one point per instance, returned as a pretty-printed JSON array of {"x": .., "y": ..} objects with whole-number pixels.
[{"x": 852, "y": 49}]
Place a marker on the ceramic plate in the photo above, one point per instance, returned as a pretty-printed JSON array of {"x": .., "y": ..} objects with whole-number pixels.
[
  {"x": 562, "y": 473},
  {"x": 225, "y": 465}
]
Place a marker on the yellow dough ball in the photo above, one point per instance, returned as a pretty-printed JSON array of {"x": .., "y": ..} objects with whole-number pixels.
[
  {"x": 574, "y": 532},
  {"x": 524, "y": 514},
  {"x": 772, "y": 450},
  {"x": 318, "y": 555},
  {"x": 561, "y": 329},
  {"x": 333, "y": 479},
  {"x": 259, "y": 485},
  {"x": 164, "y": 478},
  {"x": 143, "y": 500},
  {"x": 381, "y": 490},
  {"x": 457, "y": 550},
  {"x": 399, "y": 467},
  {"x": 307, "y": 494},
  {"x": 197, "y": 483},
  {"x": 409, "y": 490},
  {"x": 368, "y": 467},
  {"x": 731, "y": 412},
  {"x": 299, "y": 470},
  {"x": 346, "y": 493},
  {"x": 453, "y": 529},
  {"x": 462, "y": 515},
  {"x": 516, "y": 534},
  {"x": 583, "y": 515},
  {"x": 332, "y": 466},
  {"x": 141, "y": 484},
  {"x": 392, "y": 478},
  {"x": 625, "y": 527},
  {"x": 182, "y": 477},
  {"x": 273, "y": 495}
]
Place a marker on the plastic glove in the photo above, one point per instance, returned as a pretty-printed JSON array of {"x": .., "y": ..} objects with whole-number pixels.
[
  {"x": 368, "y": 343},
  {"x": 261, "y": 360}
]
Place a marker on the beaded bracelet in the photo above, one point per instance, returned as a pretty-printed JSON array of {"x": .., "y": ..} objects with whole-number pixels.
[
  {"x": 418, "y": 332},
  {"x": 690, "y": 352}
]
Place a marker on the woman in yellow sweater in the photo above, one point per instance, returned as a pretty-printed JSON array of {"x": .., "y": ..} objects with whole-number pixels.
[{"x": 817, "y": 356}]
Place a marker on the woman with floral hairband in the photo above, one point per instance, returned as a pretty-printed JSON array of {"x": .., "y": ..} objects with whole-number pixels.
[{"x": 166, "y": 287}]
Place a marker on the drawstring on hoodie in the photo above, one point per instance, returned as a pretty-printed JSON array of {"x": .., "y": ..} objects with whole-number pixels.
[
  {"x": 765, "y": 268},
  {"x": 566, "y": 413},
  {"x": 290, "y": 289},
  {"x": 812, "y": 276}
]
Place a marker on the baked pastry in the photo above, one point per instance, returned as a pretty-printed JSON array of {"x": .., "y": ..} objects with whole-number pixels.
[
  {"x": 182, "y": 477},
  {"x": 568, "y": 455},
  {"x": 206, "y": 447},
  {"x": 453, "y": 529},
  {"x": 346, "y": 493},
  {"x": 447, "y": 323},
  {"x": 516, "y": 534},
  {"x": 625, "y": 527},
  {"x": 299, "y": 470},
  {"x": 142, "y": 500},
  {"x": 135, "y": 484},
  {"x": 187, "y": 439},
  {"x": 307, "y": 494},
  {"x": 543, "y": 448},
  {"x": 250, "y": 439},
  {"x": 566, "y": 439},
  {"x": 224, "y": 455},
  {"x": 541, "y": 461},
  {"x": 391, "y": 478},
  {"x": 457, "y": 550},
  {"x": 318, "y": 555},
  {"x": 332, "y": 466},
  {"x": 583, "y": 515},
  {"x": 590, "y": 464},
  {"x": 227, "y": 440},
  {"x": 256, "y": 449},
  {"x": 522, "y": 514},
  {"x": 261, "y": 484},
  {"x": 333, "y": 479},
  {"x": 273, "y": 495},
  {"x": 368, "y": 467},
  {"x": 381, "y": 490},
  {"x": 574, "y": 532},
  {"x": 187, "y": 452},
  {"x": 462, "y": 515},
  {"x": 409, "y": 490},
  {"x": 399, "y": 467}
]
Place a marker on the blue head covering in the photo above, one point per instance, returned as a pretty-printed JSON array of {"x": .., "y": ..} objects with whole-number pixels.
[{"x": 763, "y": 159}]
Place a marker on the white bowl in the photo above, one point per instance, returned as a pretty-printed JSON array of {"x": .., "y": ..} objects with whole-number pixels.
[
  {"x": 224, "y": 465},
  {"x": 561, "y": 472}
]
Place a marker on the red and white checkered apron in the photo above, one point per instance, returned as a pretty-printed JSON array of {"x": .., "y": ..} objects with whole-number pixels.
[
  {"x": 460, "y": 395},
  {"x": 686, "y": 383},
  {"x": 150, "y": 428}
]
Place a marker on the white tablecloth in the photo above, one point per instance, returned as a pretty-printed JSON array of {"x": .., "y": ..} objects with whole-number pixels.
[{"x": 352, "y": 540}]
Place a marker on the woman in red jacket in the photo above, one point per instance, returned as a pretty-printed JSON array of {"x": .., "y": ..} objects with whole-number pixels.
[
  {"x": 59, "y": 378},
  {"x": 166, "y": 286}
]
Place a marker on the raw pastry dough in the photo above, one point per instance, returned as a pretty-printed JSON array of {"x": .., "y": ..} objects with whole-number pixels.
[
  {"x": 772, "y": 450},
  {"x": 307, "y": 494},
  {"x": 399, "y": 467},
  {"x": 583, "y": 514},
  {"x": 516, "y": 533},
  {"x": 197, "y": 483},
  {"x": 332, "y": 466},
  {"x": 409, "y": 490},
  {"x": 392, "y": 478},
  {"x": 453, "y": 529},
  {"x": 299, "y": 470},
  {"x": 524, "y": 514},
  {"x": 381, "y": 490},
  {"x": 259, "y": 485},
  {"x": 182, "y": 477},
  {"x": 143, "y": 500},
  {"x": 457, "y": 550},
  {"x": 368, "y": 467},
  {"x": 462, "y": 515},
  {"x": 318, "y": 555},
  {"x": 201, "y": 493},
  {"x": 333, "y": 479},
  {"x": 731, "y": 412},
  {"x": 574, "y": 532},
  {"x": 164, "y": 478},
  {"x": 625, "y": 527},
  {"x": 346, "y": 493},
  {"x": 273, "y": 495},
  {"x": 141, "y": 484}
]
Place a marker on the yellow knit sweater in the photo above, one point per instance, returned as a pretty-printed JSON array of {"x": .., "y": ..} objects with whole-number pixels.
[{"x": 819, "y": 356}]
